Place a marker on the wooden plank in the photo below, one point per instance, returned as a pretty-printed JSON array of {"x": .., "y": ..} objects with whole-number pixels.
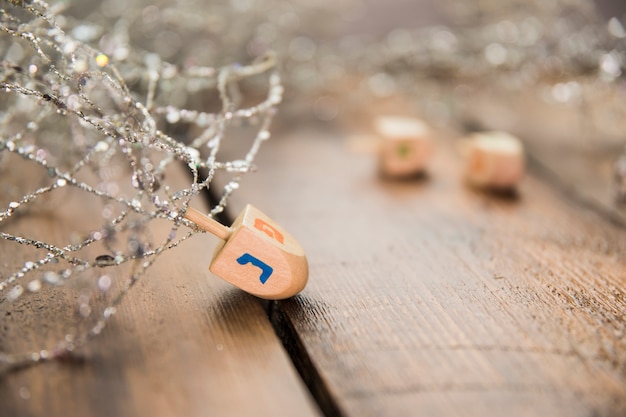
[
  {"x": 429, "y": 298},
  {"x": 183, "y": 343}
]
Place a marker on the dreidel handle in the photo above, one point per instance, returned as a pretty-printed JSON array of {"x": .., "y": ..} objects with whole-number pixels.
[{"x": 208, "y": 224}]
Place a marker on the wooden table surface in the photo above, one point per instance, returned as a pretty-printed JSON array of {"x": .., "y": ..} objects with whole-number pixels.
[
  {"x": 425, "y": 298},
  {"x": 428, "y": 298}
]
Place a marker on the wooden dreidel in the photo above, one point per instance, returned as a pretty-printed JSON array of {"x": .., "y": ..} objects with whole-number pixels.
[
  {"x": 406, "y": 147},
  {"x": 256, "y": 254},
  {"x": 494, "y": 160}
]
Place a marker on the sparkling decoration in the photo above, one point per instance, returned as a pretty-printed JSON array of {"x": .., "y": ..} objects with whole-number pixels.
[
  {"x": 99, "y": 121},
  {"x": 103, "y": 99}
]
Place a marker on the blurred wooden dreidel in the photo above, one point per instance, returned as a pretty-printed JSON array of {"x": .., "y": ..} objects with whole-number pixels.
[
  {"x": 494, "y": 160},
  {"x": 256, "y": 255},
  {"x": 406, "y": 147}
]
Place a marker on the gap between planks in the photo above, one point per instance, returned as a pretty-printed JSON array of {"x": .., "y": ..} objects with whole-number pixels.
[{"x": 288, "y": 336}]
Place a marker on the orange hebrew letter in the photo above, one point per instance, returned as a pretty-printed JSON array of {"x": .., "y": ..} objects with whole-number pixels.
[{"x": 268, "y": 230}]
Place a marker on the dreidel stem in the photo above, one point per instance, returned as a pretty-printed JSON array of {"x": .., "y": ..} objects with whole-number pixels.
[{"x": 208, "y": 224}]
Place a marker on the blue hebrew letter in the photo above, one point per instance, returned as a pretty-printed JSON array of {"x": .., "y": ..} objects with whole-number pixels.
[{"x": 266, "y": 270}]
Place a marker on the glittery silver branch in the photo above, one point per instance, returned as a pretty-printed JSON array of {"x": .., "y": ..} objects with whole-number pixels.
[
  {"x": 73, "y": 120},
  {"x": 103, "y": 99}
]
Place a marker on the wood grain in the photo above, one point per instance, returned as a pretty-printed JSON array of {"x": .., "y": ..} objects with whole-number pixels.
[
  {"x": 183, "y": 342},
  {"x": 429, "y": 298}
]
